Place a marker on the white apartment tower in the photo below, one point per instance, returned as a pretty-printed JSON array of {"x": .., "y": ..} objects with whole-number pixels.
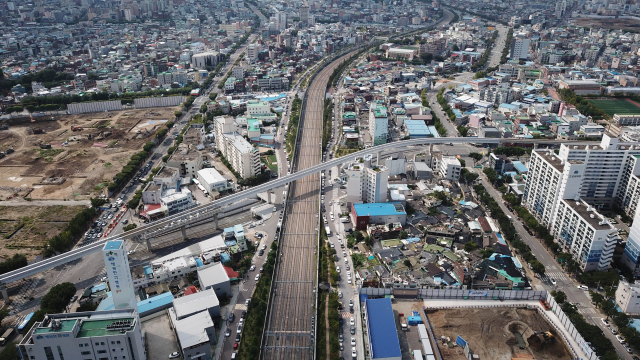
[
  {"x": 116, "y": 263},
  {"x": 243, "y": 157},
  {"x": 366, "y": 182},
  {"x": 580, "y": 230},
  {"x": 281, "y": 20},
  {"x": 378, "y": 123},
  {"x": 520, "y": 48}
]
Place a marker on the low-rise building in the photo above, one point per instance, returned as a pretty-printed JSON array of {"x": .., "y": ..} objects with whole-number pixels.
[
  {"x": 85, "y": 335},
  {"x": 450, "y": 168},
  {"x": 377, "y": 213},
  {"x": 214, "y": 276},
  {"x": 211, "y": 180}
]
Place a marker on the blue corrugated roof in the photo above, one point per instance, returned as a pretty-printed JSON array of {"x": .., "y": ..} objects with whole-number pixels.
[
  {"x": 198, "y": 262},
  {"x": 99, "y": 287},
  {"x": 378, "y": 209},
  {"x": 155, "y": 302},
  {"x": 383, "y": 335},
  {"x": 519, "y": 166}
]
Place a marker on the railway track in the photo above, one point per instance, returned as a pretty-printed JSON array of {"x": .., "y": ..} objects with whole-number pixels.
[{"x": 289, "y": 333}]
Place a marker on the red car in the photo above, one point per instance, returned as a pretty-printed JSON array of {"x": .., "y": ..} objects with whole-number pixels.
[{"x": 235, "y": 346}]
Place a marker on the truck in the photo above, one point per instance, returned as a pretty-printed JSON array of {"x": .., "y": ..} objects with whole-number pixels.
[
  {"x": 327, "y": 230},
  {"x": 7, "y": 336},
  {"x": 39, "y": 131},
  {"x": 76, "y": 128},
  {"x": 45, "y": 146},
  {"x": 4, "y": 127}
]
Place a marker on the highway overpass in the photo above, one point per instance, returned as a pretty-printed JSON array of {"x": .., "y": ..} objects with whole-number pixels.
[{"x": 211, "y": 211}]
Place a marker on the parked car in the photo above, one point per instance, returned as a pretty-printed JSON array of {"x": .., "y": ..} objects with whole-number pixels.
[
  {"x": 227, "y": 333},
  {"x": 174, "y": 355}
]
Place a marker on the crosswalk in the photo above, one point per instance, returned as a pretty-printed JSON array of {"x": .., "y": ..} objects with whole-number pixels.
[
  {"x": 586, "y": 311},
  {"x": 556, "y": 275},
  {"x": 346, "y": 315},
  {"x": 19, "y": 300}
]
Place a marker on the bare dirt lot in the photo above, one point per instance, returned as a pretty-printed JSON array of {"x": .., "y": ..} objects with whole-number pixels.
[
  {"x": 609, "y": 23},
  {"x": 497, "y": 333},
  {"x": 80, "y": 163},
  {"x": 25, "y": 229}
]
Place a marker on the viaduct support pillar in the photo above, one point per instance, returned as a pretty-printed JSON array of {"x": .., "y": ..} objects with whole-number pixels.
[
  {"x": 184, "y": 233},
  {"x": 5, "y": 295},
  {"x": 215, "y": 220},
  {"x": 148, "y": 242}
]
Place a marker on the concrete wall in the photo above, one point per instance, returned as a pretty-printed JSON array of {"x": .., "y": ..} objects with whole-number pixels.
[
  {"x": 96, "y": 106},
  {"x": 142, "y": 103}
]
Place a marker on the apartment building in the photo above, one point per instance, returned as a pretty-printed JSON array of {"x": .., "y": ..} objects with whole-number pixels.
[
  {"x": 378, "y": 123},
  {"x": 626, "y": 120},
  {"x": 366, "y": 182},
  {"x": 628, "y": 297},
  {"x": 631, "y": 256},
  {"x": 205, "y": 60},
  {"x": 187, "y": 160},
  {"x": 86, "y": 335},
  {"x": 252, "y": 52},
  {"x": 243, "y": 157},
  {"x": 449, "y": 167},
  {"x": 599, "y": 174},
  {"x": 580, "y": 230}
]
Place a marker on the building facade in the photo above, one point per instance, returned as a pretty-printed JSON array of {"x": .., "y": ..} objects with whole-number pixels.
[{"x": 378, "y": 124}]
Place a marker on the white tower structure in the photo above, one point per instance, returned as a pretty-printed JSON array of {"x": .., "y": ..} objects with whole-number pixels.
[{"x": 116, "y": 263}]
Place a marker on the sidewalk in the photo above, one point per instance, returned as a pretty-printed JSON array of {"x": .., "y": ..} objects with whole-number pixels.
[{"x": 221, "y": 337}]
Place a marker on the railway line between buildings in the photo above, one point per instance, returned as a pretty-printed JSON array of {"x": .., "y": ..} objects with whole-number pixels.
[{"x": 290, "y": 330}]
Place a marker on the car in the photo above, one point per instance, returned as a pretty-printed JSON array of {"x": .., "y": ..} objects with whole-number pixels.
[
  {"x": 553, "y": 281},
  {"x": 261, "y": 269},
  {"x": 352, "y": 321},
  {"x": 620, "y": 339},
  {"x": 227, "y": 333},
  {"x": 246, "y": 302},
  {"x": 174, "y": 355},
  {"x": 257, "y": 277},
  {"x": 264, "y": 247},
  {"x": 583, "y": 287},
  {"x": 74, "y": 298},
  {"x": 239, "y": 330},
  {"x": 354, "y": 354},
  {"x": 341, "y": 347},
  {"x": 348, "y": 280},
  {"x": 104, "y": 279},
  {"x": 353, "y": 341},
  {"x": 244, "y": 313},
  {"x": 235, "y": 346},
  {"x": 338, "y": 269},
  {"x": 340, "y": 294},
  {"x": 351, "y": 302},
  {"x": 261, "y": 252},
  {"x": 613, "y": 331},
  {"x": 237, "y": 337},
  {"x": 604, "y": 321},
  {"x": 626, "y": 347},
  {"x": 232, "y": 317}
]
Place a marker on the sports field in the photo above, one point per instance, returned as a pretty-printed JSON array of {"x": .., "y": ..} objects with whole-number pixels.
[{"x": 611, "y": 107}]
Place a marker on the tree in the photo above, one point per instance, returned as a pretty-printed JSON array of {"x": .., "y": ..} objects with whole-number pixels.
[
  {"x": 609, "y": 308},
  {"x": 368, "y": 240},
  {"x": 559, "y": 296},
  {"x": 4, "y": 312},
  {"x": 130, "y": 227},
  {"x": 470, "y": 177},
  {"x": 212, "y": 96},
  {"x": 537, "y": 267},
  {"x": 491, "y": 173},
  {"x": 407, "y": 263},
  {"x": 455, "y": 47},
  {"x": 88, "y": 306},
  {"x": 57, "y": 299},
  {"x": 596, "y": 298},
  {"x": 359, "y": 237},
  {"x": 470, "y": 246},
  {"x": 403, "y": 234},
  {"x": 96, "y": 203},
  {"x": 10, "y": 352},
  {"x": 476, "y": 157}
]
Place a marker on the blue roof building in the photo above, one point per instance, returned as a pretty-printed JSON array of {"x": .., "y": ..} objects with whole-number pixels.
[
  {"x": 381, "y": 329},
  {"x": 417, "y": 129},
  {"x": 378, "y": 213}
]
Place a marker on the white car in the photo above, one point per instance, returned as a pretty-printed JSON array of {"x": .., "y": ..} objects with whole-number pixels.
[
  {"x": 353, "y": 353},
  {"x": 352, "y": 321},
  {"x": 253, "y": 267},
  {"x": 239, "y": 331},
  {"x": 553, "y": 281},
  {"x": 338, "y": 269},
  {"x": 257, "y": 277}
]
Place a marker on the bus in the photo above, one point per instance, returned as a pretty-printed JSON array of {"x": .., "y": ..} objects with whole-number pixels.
[
  {"x": 6, "y": 336},
  {"x": 24, "y": 323}
]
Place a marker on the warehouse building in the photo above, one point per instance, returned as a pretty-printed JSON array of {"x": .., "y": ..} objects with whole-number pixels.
[
  {"x": 211, "y": 180},
  {"x": 377, "y": 213},
  {"x": 381, "y": 330}
]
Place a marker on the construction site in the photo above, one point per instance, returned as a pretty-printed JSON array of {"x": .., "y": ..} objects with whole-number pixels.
[
  {"x": 497, "y": 333},
  {"x": 72, "y": 157}
]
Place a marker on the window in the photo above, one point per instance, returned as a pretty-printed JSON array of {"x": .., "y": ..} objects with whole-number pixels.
[
  {"x": 60, "y": 353},
  {"x": 85, "y": 353},
  {"x": 102, "y": 351}
]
